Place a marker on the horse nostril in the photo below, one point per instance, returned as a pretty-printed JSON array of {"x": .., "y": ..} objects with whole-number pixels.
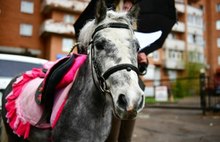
[{"x": 122, "y": 102}]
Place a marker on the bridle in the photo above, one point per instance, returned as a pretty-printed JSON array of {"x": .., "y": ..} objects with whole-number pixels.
[{"x": 98, "y": 78}]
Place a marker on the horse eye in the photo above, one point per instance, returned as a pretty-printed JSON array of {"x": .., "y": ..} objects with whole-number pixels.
[{"x": 99, "y": 46}]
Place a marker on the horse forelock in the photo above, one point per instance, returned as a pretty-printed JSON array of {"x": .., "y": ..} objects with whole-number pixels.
[{"x": 86, "y": 32}]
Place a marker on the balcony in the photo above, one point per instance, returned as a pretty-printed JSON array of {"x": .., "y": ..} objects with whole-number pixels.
[
  {"x": 180, "y": 7},
  {"x": 196, "y": 54},
  {"x": 195, "y": 21},
  {"x": 174, "y": 44},
  {"x": 66, "y": 5},
  {"x": 174, "y": 64},
  {"x": 179, "y": 27},
  {"x": 195, "y": 30},
  {"x": 195, "y": 47},
  {"x": 194, "y": 11},
  {"x": 51, "y": 26},
  {"x": 179, "y": 1}
]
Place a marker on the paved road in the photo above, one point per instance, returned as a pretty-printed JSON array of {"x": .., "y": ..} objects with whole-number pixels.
[{"x": 173, "y": 125}]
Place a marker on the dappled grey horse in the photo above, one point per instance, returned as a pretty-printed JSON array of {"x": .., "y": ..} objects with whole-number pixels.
[{"x": 106, "y": 84}]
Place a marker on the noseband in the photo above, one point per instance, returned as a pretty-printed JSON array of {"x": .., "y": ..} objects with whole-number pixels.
[{"x": 100, "y": 82}]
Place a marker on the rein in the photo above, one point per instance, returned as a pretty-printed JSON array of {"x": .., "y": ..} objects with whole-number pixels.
[{"x": 100, "y": 79}]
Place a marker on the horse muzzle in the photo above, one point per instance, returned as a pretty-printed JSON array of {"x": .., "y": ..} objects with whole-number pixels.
[{"x": 128, "y": 109}]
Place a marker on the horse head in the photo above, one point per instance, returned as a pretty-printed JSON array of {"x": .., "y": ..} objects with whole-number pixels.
[{"x": 113, "y": 50}]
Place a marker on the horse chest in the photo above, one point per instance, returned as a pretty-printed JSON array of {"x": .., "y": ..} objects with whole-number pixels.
[{"x": 84, "y": 122}]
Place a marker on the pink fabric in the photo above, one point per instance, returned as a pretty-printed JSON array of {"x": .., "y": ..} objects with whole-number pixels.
[
  {"x": 69, "y": 75},
  {"x": 27, "y": 99},
  {"x": 22, "y": 110},
  {"x": 20, "y": 126},
  {"x": 59, "y": 102}
]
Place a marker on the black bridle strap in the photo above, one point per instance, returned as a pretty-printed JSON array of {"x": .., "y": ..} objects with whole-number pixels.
[
  {"x": 116, "y": 68},
  {"x": 110, "y": 25}
]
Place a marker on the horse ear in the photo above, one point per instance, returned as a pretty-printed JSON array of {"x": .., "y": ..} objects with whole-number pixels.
[
  {"x": 101, "y": 11},
  {"x": 134, "y": 11}
]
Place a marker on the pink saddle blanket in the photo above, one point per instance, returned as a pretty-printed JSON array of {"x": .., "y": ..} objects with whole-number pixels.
[{"x": 22, "y": 109}]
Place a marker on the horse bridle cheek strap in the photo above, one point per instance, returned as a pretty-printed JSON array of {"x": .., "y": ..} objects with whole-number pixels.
[{"x": 101, "y": 83}]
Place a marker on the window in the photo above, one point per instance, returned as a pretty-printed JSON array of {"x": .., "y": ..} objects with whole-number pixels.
[
  {"x": 218, "y": 60},
  {"x": 172, "y": 74},
  {"x": 26, "y": 29},
  {"x": 218, "y": 42},
  {"x": 218, "y": 7},
  {"x": 170, "y": 36},
  {"x": 190, "y": 19},
  {"x": 199, "y": 21},
  {"x": 156, "y": 55},
  {"x": 150, "y": 72},
  {"x": 13, "y": 67},
  {"x": 196, "y": 57},
  {"x": 172, "y": 54},
  {"x": 69, "y": 18},
  {"x": 149, "y": 91},
  {"x": 218, "y": 25},
  {"x": 191, "y": 56},
  {"x": 175, "y": 55},
  {"x": 199, "y": 40},
  {"x": 190, "y": 38},
  {"x": 169, "y": 54},
  {"x": 201, "y": 58},
  {"x": 27, "y": 7},
  {"x": 157, "y": 76},
  {"x": 67, "y": 44}
]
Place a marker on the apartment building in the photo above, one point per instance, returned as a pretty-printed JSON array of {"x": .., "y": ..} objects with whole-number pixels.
[
  {"x": 57, "y": 28},
  {"x": 212, "y": 18},
  {"x": 19, "y": 27},
  {"x": 185, "y": 44},
  {"x": 44, "y": 28},
  {"x": 41, "y": 28}
]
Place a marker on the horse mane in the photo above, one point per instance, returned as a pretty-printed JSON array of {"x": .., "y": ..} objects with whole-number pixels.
[{"x": 86, "y": 32}]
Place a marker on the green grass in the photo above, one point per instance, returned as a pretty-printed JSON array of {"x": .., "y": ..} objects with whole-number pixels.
[{"x": 151, "y": 100}]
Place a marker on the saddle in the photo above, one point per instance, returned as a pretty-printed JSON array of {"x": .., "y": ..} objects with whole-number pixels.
[
  {"x": 43, "y": 92},
  {"x": 52, "y": 79}
]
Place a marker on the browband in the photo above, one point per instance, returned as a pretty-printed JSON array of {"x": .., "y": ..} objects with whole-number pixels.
[{"x": 110, "y": 25}]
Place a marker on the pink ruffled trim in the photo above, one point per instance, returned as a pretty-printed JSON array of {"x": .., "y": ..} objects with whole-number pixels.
[{"x": 18, "y": 125}]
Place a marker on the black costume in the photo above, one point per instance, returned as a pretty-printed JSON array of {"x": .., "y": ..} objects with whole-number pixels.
[{"x": 154, "y": 15}]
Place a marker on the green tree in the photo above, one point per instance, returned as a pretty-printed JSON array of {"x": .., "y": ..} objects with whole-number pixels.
[{"x": 189, "y": 84}]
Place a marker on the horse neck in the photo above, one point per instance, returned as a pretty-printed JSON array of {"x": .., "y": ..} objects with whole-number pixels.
[
  {"x": 87, "y": 92},
  {"x": 86, "y": 111}
]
